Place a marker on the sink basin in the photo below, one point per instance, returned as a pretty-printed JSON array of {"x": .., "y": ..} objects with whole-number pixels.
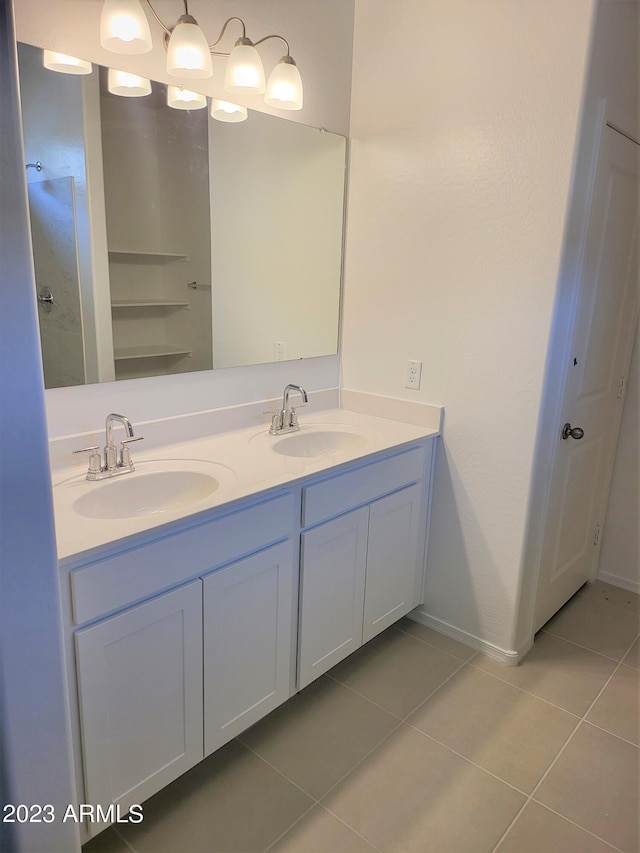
[
  {"x": 319, "y": 443},
  {"x": 153, "y": 488}
]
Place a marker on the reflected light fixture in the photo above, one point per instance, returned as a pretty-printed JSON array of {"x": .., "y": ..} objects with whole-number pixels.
[
  {"x": 184, "y": 99},
  {"x": 127, "y": 85},
  {"x": 124, "y": 29},
  {"x": 65, "y": 64},
  {"x": 225, "y": 111}
]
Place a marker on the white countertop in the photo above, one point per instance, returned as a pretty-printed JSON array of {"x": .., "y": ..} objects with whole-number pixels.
[{"x": 242, "y": 460}]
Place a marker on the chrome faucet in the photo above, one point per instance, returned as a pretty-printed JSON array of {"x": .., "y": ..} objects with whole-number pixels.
[
  {"x": 113, "y": 462},
  {"x": 286, "y": 419}
]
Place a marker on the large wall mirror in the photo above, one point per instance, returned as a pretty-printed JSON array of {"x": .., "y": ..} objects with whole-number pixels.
[{"x": 167, "y": 242}]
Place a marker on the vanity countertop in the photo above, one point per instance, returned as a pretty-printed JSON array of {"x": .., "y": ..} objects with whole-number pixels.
[{"x": 243, "y": 461}]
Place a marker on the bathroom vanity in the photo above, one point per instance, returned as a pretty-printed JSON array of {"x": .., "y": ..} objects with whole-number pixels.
[{"x": 184, "y": 626}]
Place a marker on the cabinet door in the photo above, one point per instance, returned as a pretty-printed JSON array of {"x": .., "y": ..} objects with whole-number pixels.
[
  {"x": 249, "y": 612},
  {"x": 333, "y": 563},
  {"x": 140, "y": 690},
  {"x": 394, "y": 559}
]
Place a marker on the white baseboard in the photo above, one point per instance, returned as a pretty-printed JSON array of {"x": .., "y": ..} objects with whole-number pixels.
[
  {"x": 508, "y": 657},
  {"x": 617, "y": 580}
]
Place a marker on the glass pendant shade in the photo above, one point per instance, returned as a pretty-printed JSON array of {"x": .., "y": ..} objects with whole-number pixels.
[
  {"x": 124, "y": 27},
  {"x": 244, "y": 72},
  {"x": 65, "y": 64},
  {"x": 188, "y": 53},
  {"x": 184, "y": 99},
  {"x": 284, "y": 89},
  {"x": 127, "y": 85},
  {"x": 225, "y": 111}
]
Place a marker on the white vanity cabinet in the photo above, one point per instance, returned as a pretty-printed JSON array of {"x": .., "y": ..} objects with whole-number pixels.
[
  {"x": 179, "y": 641},
  {"x": 165, "y": 681},
  {"x": 249, "y": 613},
  {"x": 362, "y": 571},
  {"x": 140, "y": 692}
]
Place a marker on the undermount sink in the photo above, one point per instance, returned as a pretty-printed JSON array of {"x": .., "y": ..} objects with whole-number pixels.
[
  {"x": 318, "y": 442},
  {"x": 153, "y": 488}
]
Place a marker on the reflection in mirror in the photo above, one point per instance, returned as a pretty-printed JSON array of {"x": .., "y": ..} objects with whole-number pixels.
[{"x": 172, "y": 242}]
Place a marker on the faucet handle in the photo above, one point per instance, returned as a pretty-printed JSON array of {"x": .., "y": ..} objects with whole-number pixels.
[
  {"x": 125, "y": 453},
  {"x": 95, "y": 461}
]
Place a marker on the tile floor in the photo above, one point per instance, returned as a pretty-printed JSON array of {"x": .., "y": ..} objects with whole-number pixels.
[{"x": 416, "y": 743}]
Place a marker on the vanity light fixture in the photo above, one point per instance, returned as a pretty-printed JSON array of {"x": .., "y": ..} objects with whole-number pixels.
[
  {"x": 225, "y": 111},
  {"x": 127, "y": 85},
  {"x": 65, "y": 64},
  {"x": 124, "y": 29}
]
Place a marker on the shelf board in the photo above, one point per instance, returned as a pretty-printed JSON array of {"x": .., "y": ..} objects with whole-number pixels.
[
  {"x": 148, "y": 303},
  {"x": 149, "y": 351},
  {"x": 128, "y": 257}
]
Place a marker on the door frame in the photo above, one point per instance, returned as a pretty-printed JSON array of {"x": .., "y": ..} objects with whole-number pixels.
[{"x": 558, "y": 358}]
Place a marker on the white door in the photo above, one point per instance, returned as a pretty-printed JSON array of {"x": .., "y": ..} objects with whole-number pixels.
[
  {"x": 394, "y": 559},
  {"x": 140, "y": 686},
  {"x": 606, "y": 319},
  {"x": 332, "y": 578},
  {"x": 248, "y": 642}
]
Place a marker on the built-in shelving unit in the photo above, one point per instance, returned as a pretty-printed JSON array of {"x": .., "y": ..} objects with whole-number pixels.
[
  {"x": 129, "y": 257},
  {"x": 149, "y": 351},
  {"x": 144, "y": 304},
  {"x": 148, "y": 303}
]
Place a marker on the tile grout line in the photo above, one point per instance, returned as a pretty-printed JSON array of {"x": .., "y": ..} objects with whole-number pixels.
[
  {"x": 528, "y": 692},
  {"x": 433, "y": 645},
  {"x": 586, "y": 648},
  {"x": 123, "y": 839},
  {"x": 561, "y": 751},
  {"x": 324, "y": 808}
]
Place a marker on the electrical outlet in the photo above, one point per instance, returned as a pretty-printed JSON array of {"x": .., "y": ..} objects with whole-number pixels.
[
  {"x": 279, "y": 351},
  {"x": 413, "y": 374}
]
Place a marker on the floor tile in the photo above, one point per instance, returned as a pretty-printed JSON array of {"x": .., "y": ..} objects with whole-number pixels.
[
  {"x": 560, "y": 672},
  {"x": 594, "y": 783},
  {"x": 395, "y": 671},
  {"x": 107, "y": 842},
  {"x": 415, "y": 796},
  {"x": 232, "y": 801},
  {"x": 632, "y": 657},
  {"x": 601, "y": 591},
  {"x": 537, "y": 830},
  {"x": 618, "y": 708},
  {"x": 495, "y": 725},
  {"x": 596, "y": 625},
  {"x": 440, "y": 641},
  {"x": 321, "y": 832},
  {"x": 320, "y": 735}
]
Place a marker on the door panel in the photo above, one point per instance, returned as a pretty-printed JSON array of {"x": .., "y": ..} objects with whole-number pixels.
[
  {"x": 143, "y": 664},
  {"x": 248, "y": 637},
  {"x": 392, "y": 560},
  {"x": 606, "y": 319},
  {"x": 334, "y": 558}
]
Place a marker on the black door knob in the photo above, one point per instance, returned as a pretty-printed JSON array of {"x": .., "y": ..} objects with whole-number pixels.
[{"x": 569, "y": 432}]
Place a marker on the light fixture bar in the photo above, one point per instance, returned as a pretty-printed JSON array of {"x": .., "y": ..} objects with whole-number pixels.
[{"x": 124, "y": 29}]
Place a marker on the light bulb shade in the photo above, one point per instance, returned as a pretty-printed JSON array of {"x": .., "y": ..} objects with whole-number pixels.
[
  {"x": 183, "y": 99},
  {"x": 124, "y": 27},
  {"x": 64, "y": 63},
  {"x": 225, "y": 111},
  {"x": 188, "y": 53},
  {"x": 127, "y": 85},
  {"x": 284, "y": 89},
  {"x": 244, "y": 72}
]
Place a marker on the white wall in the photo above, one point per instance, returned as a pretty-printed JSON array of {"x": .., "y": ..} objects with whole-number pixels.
[
  {"x": 461, "y": 163},
  {"x": 620, "y": 555},
  {"x": 321, "y": 37},
  {"x": 34, "y": 721}
]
